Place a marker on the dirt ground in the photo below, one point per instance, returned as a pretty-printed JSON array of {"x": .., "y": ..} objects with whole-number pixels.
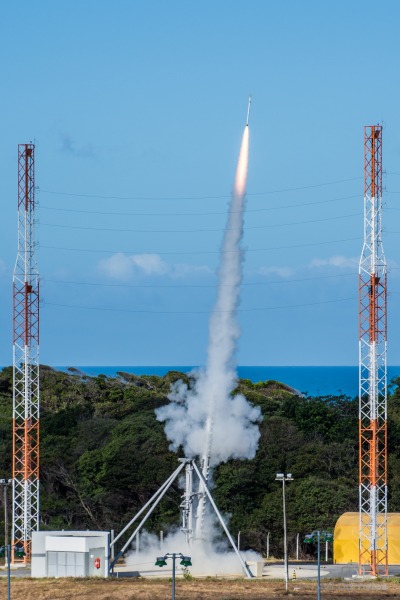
[{"x": 195, "y": 589}]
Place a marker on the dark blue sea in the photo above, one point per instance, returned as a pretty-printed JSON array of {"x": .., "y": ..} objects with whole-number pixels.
[{"x": 312, "y": 381}]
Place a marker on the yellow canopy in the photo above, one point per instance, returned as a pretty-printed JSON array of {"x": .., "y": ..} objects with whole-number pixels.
[{"x": 346, "y": 538}]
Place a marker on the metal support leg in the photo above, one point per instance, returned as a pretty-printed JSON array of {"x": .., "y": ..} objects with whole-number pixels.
[{"x": 221, "y": 520}]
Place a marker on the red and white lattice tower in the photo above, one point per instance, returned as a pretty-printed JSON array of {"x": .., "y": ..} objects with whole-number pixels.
[
  {"x": 26, "y": 363},
  {"x": 373, "y": 555}
]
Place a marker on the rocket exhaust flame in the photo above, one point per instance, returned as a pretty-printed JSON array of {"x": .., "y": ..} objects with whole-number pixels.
[
  {"x": 239, "y": 188},
  {"x": 206, "y": 420}
]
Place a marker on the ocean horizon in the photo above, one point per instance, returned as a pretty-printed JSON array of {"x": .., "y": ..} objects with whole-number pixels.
[{"x": 311, "y": 381}]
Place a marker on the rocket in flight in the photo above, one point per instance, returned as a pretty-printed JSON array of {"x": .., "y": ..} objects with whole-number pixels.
[{"x": 248, "y": 112}]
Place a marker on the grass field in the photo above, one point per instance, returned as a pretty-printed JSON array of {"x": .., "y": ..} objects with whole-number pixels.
[{"x": 196, "y": 589}]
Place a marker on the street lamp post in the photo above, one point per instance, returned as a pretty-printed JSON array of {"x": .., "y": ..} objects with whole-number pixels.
[
  {"x": 283, "y": 478},
  {"x": 319, "y": 566},
  {"x": 8, "y": 555},
  {"x": 161, "y": 561},
  {"x": 6, "y": 552},
  {"x": 5, "y": 483}
]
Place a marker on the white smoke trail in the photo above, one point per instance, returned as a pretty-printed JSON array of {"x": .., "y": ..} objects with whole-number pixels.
[
  {"x": 220, "y": 376},
  {"x": 207, "y": 558},
  {"x": 206, "y": 420}
]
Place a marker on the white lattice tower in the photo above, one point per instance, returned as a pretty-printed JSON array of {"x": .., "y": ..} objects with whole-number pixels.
[
  {"x": 373, "y": 555},
  {"x": 199, "y": 532},
  {"x": 26, "y": 364}
]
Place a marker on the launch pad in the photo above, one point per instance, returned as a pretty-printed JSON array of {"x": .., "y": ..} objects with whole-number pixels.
[{"x": 192, "y": 511}]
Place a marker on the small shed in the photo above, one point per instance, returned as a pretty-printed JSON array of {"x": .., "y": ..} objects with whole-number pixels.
[
  {"x": 346, "y": 538},
  {"x": 70, "y": 554}
]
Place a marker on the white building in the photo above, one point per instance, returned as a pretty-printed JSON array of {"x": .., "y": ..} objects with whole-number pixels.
[{"x": 70, "y": 554}]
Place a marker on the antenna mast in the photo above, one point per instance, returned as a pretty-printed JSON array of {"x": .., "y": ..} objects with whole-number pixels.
[
  {"x": 25, "y": 364},
  {"x": 372, "y": 367}
]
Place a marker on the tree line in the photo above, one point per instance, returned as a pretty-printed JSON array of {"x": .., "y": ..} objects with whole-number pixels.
[{"x": 103, "y": 454}]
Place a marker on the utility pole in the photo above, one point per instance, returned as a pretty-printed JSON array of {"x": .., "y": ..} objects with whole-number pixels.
[
  {"x": 25, "y": 517},
  {"x": 372, "y": 367},
  {"x": 283, "y": 478}
]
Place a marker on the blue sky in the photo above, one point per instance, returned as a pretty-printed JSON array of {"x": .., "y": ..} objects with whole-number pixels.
[{"x": 137, "y": 111}]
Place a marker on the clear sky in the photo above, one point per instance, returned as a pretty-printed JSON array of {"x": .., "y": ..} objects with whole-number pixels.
[{"x": 137, "y": 111}]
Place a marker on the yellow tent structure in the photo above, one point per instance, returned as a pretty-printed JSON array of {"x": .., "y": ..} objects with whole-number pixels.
[{"x": 346, "y": 536}]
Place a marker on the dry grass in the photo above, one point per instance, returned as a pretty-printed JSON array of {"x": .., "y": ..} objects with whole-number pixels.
[{"x": 198, "y": 589}]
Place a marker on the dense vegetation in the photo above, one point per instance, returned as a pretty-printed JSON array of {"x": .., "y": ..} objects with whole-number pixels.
[{"x": 103, "y": 454}]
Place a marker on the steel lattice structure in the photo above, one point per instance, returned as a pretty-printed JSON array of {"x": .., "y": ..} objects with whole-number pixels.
[
  {"x": 26, "y": 362},
  {"x": 372, "y": 366}
]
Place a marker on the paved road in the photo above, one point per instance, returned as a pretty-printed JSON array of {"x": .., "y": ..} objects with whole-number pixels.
[
  {"x": 16, "y": 572},
  {"x": 310, "y": 571},
  {"x": 271, "y": 571}
]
